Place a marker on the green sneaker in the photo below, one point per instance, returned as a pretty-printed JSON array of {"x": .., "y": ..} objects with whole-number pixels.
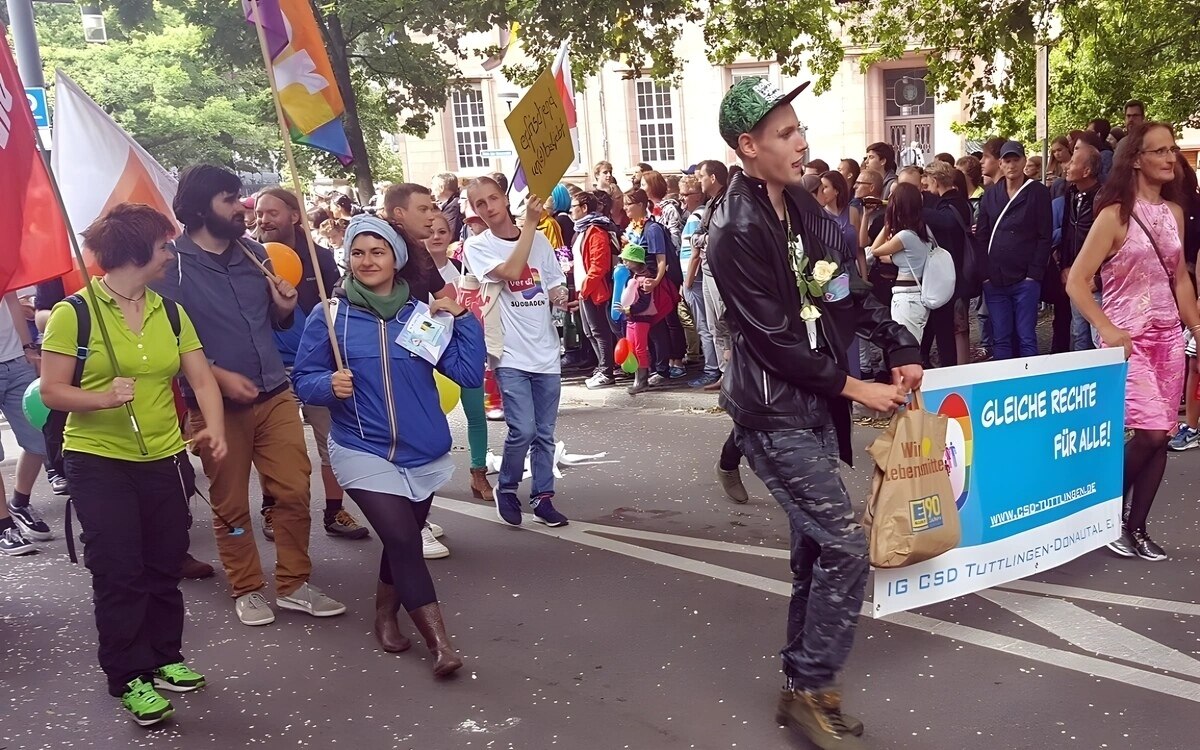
[
  {"x": 178, "y": 678},
  {"x": 145, "y": 704}
]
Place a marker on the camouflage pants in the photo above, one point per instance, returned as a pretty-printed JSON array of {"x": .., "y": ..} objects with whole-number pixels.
[{"x": 829, "y": 549}]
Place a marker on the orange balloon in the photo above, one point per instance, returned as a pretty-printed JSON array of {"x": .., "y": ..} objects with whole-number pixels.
[{"x": 284, "y": 262}]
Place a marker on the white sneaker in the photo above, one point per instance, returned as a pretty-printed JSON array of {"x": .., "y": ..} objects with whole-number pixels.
[
  {"x": 253, "y": 609},
  {"x": 431, "y": 547},
  {"x": 437, "y": 530},
  {"x": 310, "y": 599}
]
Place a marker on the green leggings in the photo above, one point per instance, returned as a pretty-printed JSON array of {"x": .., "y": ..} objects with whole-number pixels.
[{"x": 477, "y": 431}]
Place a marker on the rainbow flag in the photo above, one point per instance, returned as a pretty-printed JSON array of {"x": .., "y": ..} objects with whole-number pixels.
[{"x": 308, "y": 91}]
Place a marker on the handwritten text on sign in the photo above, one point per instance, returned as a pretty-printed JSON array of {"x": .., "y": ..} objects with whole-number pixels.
[{"x": 538, "y": 126}]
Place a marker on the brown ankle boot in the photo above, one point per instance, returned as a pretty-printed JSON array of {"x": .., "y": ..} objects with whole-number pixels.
[
  {"x": 480, "y": 487},
  {"x": 387, "y": 630},
  {"x": 428, "y": 620}
]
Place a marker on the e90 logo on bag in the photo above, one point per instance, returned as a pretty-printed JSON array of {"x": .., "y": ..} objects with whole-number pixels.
[{"x": 925, "y": 513}]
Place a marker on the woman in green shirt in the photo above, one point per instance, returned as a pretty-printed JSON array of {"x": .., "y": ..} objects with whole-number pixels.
[{"x": 130, "y": 493}]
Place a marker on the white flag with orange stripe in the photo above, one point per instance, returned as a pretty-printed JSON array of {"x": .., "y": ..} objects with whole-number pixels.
[{"x": 98, "y": 165}]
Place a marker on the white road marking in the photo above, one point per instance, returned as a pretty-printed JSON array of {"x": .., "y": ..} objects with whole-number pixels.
[
  {"x": 1103, "y": 597},
  {"x": 585, "y": 534},
  {"x": 1093, "y": 633}
]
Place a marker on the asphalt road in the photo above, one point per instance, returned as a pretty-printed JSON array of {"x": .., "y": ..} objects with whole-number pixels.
[{"x": 652, "y": 622}]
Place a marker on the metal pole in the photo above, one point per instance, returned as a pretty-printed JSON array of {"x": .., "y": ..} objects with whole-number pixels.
[{"x": 25, "y": 44}]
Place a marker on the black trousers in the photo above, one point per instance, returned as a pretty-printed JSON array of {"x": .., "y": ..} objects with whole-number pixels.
[
  {"x": 135, "y": 518},
  {"x": 940, "y": 330},
  {"x": 596, "y": 325},
  {"x": 398, "y": 522}
]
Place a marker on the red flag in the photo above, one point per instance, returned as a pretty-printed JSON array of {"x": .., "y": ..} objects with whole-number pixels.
[{"x": 34, "y": 246}]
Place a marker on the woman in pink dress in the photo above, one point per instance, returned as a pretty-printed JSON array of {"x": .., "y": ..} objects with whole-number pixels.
[{"x": 1136, "y": 244}]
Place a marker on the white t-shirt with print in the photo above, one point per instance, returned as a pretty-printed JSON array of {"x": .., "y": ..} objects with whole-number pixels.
[{"x": 530, "y": 339}]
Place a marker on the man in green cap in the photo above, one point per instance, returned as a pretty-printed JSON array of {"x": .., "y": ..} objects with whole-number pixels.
[{"x": 794, "y": 303}]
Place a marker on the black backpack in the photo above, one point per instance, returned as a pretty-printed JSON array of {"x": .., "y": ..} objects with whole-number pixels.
[{"x": 56, "y": 422}]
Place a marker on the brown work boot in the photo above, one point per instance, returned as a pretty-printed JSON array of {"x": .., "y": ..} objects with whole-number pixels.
[
  {"x": 818, "y": 716},
  {"x": 387, "y": 630},
  {"x": 194, "y": 569},
  {"x": 731, "y": 482},
  {"x": 480, "y": 487},
  {"x": 428, "y": 620}
]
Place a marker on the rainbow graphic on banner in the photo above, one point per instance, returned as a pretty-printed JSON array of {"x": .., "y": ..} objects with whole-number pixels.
[
  {"x": 308, "y": 91},
  {"x": 960, "y": 444}
]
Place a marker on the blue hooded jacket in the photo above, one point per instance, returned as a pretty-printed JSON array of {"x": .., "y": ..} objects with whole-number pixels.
[{"x": 395, "y": 412}]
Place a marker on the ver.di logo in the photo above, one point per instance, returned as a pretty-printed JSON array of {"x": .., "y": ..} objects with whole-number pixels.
[
  {"x": 960, "y": 444},
  {"x": 529, "y": 285}
]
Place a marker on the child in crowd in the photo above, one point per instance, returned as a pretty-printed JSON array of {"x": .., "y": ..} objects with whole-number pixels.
[{"x": 642, "y": 310}]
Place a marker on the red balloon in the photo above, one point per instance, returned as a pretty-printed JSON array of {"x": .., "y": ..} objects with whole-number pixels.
[{"x": 623, "y": 350}]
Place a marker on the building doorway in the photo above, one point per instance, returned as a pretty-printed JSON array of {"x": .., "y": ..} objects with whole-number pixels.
[{"x": 908, "y": 112}]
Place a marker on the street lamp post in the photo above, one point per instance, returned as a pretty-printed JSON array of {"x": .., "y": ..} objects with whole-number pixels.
[
  {"x": 29, "y": 59},
  {"x": 510, "y": 98}
]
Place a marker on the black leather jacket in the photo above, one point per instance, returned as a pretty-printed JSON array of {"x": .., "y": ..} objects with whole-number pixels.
[{"x": 775, "y": 381}]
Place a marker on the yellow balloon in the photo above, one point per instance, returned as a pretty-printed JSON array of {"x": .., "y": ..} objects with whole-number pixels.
[{"x": 448, "y": 392}]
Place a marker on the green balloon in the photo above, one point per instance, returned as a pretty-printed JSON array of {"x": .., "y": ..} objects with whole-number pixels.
[
  {"x": 34, "y": 409},
  {"x": 630, "y": 364}
]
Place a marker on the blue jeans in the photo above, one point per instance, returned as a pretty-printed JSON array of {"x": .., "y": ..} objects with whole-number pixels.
[
  {"x": 1083, "y": 335},
  {"x": 530, "y": 411},
  {"x": 694, "y": 296},
  {"x": 15, "y": 377},
  {"x": 1013, "y": 310}
]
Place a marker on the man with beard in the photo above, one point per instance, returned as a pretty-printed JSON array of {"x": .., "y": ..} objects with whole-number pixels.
[
  {"x": 278, "y": 212},
  {"x": 216, "y": 276}
]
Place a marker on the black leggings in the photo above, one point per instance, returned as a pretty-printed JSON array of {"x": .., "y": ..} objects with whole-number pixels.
[
  {"x": 398, "y": 522},
  {"x": 1145, "y": 463}
]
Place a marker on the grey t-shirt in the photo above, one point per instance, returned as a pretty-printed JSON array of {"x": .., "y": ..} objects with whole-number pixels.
[{"x": 910, "y": 262}]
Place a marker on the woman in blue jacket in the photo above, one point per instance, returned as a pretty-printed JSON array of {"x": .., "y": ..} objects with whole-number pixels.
[{"x": 390, "y": 443}]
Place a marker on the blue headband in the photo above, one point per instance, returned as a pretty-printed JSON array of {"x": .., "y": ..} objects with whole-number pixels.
[{"x": 374, "y": 225}]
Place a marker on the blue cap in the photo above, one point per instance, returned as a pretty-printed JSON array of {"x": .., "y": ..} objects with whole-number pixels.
[{"x": 367, "y": 223}]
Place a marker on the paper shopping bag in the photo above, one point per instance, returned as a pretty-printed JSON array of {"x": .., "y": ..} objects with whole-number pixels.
[{"x": 911, "y": 514}]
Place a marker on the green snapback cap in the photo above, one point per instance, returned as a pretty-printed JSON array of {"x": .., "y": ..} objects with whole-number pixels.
[{"x": 746, "y": 104}]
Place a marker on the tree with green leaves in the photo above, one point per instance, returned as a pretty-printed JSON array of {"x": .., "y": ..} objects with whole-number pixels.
[
  {"x": 1103, "y": 52},
  {"x": 158, "y": 85}
]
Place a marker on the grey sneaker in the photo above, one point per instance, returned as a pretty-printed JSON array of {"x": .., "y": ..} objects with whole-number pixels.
[
  {"x": 308, "y": 598},
  {"x": 1146, "y": 548},
  {"x": 252, "y": 609},
  {"x": 731, "y": 483},
  {"x": 1123, "y": 546}
]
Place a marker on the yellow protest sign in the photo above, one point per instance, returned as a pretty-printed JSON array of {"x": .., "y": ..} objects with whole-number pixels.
[{"x": 538, "y": 126}]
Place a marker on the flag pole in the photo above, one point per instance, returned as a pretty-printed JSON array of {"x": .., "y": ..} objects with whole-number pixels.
[
  {"x": 291, "y": 160},
  {"x": 87, "y": 285}
]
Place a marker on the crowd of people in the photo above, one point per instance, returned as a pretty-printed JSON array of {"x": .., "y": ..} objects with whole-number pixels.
[{"x": 792, "y": 288}]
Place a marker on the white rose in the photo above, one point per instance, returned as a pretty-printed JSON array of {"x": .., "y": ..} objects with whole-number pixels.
[
  {"x": 809, "y": 312},
  {"x": 823, "y": 271}
]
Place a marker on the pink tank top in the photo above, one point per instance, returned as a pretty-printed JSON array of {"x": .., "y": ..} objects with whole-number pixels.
[{"x": 1137, "y": 292}]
